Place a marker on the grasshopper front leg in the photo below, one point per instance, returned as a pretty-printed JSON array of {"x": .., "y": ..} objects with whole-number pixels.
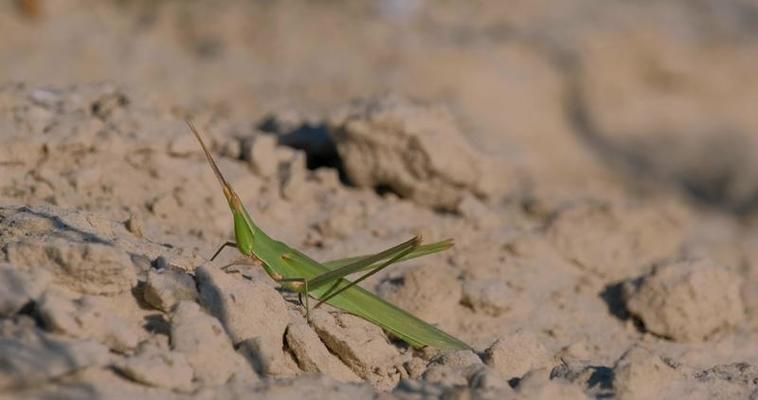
[
  {"x": 252, "y": 260},
  {"x": 222, "y": 247}
]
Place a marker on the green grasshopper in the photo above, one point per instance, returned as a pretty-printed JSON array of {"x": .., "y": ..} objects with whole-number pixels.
[{"x": 326, "y": 282}]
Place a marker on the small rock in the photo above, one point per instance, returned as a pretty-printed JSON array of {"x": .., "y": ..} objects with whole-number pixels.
[
  {"x": 18, "y": 287},
  {"x": 460, "y": 359},
  {"x": 87, "y": 317},
  {"x": 487, "y": 297},
  {"x": 640, "y": 374},
  {"x": 166, "y": 288},
  {"x": 206, "y": 346},
  {"x": 260, "y": 152},
  {"x": 415, "y": 367},
  {"x": 517, "y": 354},
  {"x": 85, "y": 267},
  {"x": 408, "y": 389},
  {"x": 445, "y": 376},
  {"x": 327, "y": 177},
  {"x": 23, "y": 221},
  {"x": 19, "y": 327},
  {"x": 537, "y": 385},
  {"x": 232, "y": 148},
  {"x": 159, "y": 368},
  {"x": 135, "y": 225},
  {"x": 267, "y": 357},
  {"x": 686, "y": 300},
  {"x": 453, "y": 368},
  {"x": 486, "y": 378},
  {"x": 247, "y": 308},
  {"x": 361, "y": 345},
  {"x": 313, "y": 356},
  {"x": 108, "y": 103},
  {"x": 26, "y": 364},
  {"x": 597, "y": 380},
  {"x": 293, "y": 178}
]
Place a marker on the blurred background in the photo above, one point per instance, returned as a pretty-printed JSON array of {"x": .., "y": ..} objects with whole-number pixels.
[{"x": 565, "y": 91}]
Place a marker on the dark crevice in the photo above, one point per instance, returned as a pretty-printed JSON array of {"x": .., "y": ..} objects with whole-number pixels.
[
  {"x": 613, "y": 296},
  {"x": 30, "y": 310},
  {"x": 383, "y": 190},
  {"x": 599, "y": 384},
  {"x": 157, "y": 324},
  {"x": 314, "y": 139}
]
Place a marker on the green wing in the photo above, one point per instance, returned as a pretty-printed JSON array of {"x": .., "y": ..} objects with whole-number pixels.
[
  {"x": 419, "y": 251},
  {"x": 278, "y": 258},
  {"x": 361, "y": 302}
]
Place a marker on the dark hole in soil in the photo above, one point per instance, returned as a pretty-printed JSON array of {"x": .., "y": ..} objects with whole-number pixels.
[{"x": 314, "y": 140}]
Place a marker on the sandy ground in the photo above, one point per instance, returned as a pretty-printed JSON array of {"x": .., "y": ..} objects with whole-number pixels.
[{"x": 593, "y": 160}]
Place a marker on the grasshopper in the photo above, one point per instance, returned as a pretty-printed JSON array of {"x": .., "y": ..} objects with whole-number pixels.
[{"x": 326, "y": 282}]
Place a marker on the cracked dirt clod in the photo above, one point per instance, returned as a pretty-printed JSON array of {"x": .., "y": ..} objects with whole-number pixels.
[
  {"x": 246, "y": 308},
  {"x": 204, "y": 343},
  {"x": 487, "y": 297},
  {"x": 160, "y": 368},
  {"x": 268, "y": 357},
  {"x": 18, "y": 287},
  {"x": 361, "y": 345},
  {"x": 166, "y": 288},
  {"x": 29, "y": 363},
  {"x": 261, "y": 153},
  {"x": 516, "y": 354},
  {"x": 536, "y": 384},
  {"x": 413, "y": 149},
  {"x": 90, "y": 268},
  {"x": 486, "y": 378},
  {"x": 686, "y": 300},
  {"x": 454, "y": 369},
  {"x": 639, "y": 374},
  {"x": 313, "y": 356},
  {"x": 87, "y": 317}
]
